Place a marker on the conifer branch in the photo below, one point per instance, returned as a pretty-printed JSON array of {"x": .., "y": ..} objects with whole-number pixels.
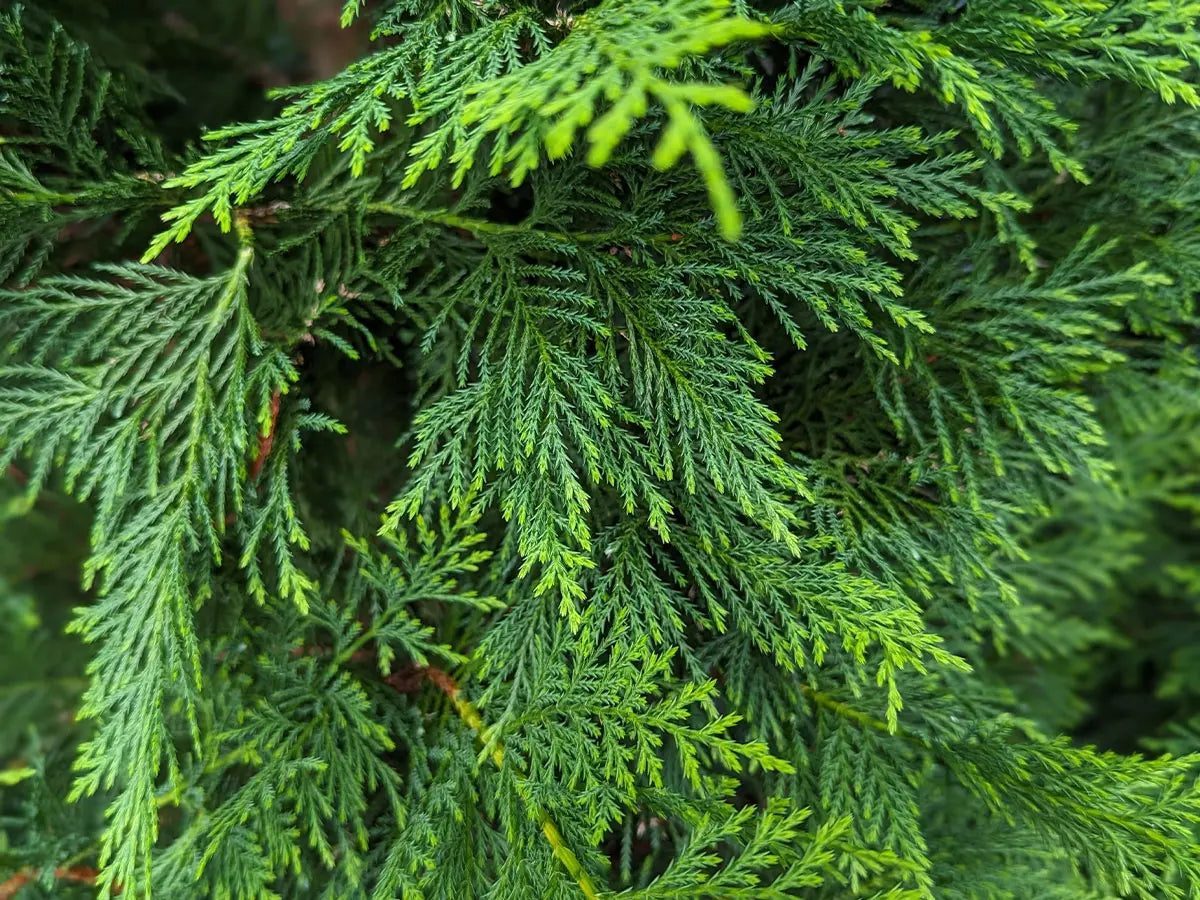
[
  {"x": 825, "y": 493},
  {"x": 471, "y": 717}
]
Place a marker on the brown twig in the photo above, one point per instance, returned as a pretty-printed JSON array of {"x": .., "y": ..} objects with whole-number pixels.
[
  {"x": 321, "y": 650},
  {"x": 267, "y": 439},
  {"x": 80, "y": 874}
]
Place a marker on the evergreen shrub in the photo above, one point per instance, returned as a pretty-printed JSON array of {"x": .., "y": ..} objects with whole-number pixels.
[{"x": 630, "y": 449}]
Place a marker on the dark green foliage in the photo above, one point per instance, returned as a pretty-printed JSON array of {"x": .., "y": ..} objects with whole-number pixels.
[{"x": 676, "y": 449}]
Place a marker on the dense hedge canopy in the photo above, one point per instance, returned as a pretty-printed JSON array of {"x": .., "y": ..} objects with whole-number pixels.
[{"x": 638, "y": 448}]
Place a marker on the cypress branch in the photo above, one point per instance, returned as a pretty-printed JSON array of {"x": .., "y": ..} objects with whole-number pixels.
[{"x": 780, "y": 417}]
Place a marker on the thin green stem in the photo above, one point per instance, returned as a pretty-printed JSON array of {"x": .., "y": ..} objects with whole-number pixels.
[
  {"x": 40, "y": 198},
  {"x": 121, "y": 187},
  {"x": 846, "y": 711},
  {"x": 354, "y": 646},
  {"x": 481, "y": 227},
  {"x": 468, "y": 712},
  {"x": 475, "y": 226}
]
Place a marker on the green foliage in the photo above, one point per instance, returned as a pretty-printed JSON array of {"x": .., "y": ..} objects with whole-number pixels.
[
  {"x": 614, "y": 53},
  {"x": 471, "y": 501}
]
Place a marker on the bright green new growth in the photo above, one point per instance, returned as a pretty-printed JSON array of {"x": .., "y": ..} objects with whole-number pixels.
[{"x": 474, "y": 500}]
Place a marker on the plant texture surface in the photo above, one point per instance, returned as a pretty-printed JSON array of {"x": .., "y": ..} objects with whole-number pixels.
[{"x": 643, "y": 449}]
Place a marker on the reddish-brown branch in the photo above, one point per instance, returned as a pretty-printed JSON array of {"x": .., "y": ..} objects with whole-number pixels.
[
  {"x": 404, "y": 681},
  {"x": 409, "y": 680},
  {"x": 81, "y": 874},
  {"x": 322, "y": 650},
  {"x": 442, "y": 681},
  {"x": 267, "y": 439}
]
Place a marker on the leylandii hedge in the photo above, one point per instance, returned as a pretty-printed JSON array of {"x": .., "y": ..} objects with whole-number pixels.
[{"x": 638, "y": 448}]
